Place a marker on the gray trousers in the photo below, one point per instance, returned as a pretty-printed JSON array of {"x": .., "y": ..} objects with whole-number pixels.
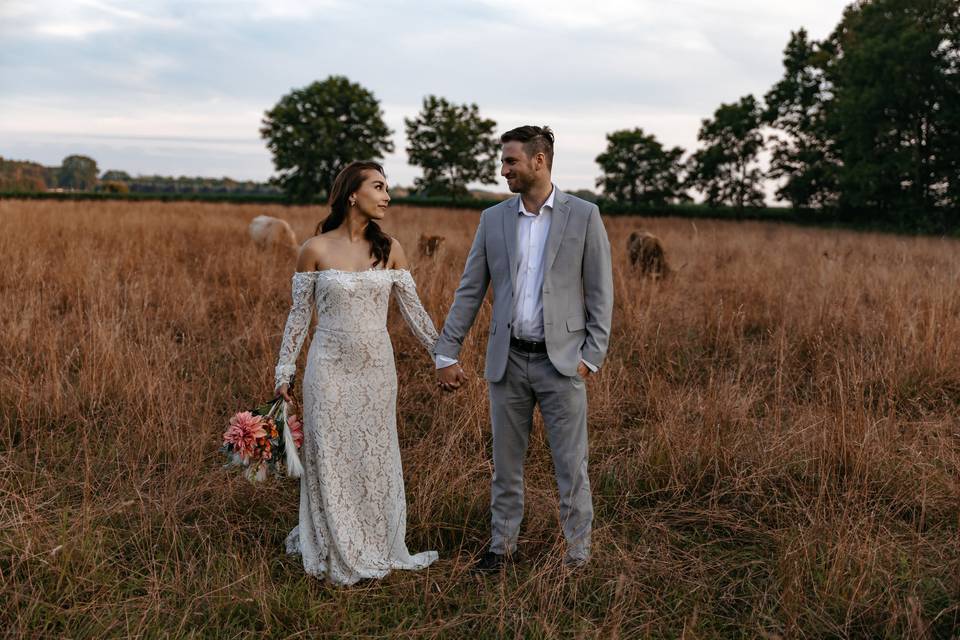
[{"x": 531, "y": 379}]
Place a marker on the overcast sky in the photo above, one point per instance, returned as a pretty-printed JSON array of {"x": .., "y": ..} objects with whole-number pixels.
[{"x": 179, "y": 88}]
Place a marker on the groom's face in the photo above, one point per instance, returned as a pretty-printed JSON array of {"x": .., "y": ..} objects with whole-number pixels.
[{"x": 518, "y": 168}]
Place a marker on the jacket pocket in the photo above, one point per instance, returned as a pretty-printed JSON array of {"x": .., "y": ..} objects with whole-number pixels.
[{"x": 576, "y": 323}]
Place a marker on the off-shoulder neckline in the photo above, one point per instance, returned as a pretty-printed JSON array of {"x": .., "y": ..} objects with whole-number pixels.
[{"x": 372, "y": 270}]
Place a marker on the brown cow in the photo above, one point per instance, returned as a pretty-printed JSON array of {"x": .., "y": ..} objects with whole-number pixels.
[
  {"x": 646, "y": 254},
  {"x": 429, "y": 245}
]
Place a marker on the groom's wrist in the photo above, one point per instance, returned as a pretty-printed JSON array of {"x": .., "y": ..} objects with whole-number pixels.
[{"x": 443, "y": 362}]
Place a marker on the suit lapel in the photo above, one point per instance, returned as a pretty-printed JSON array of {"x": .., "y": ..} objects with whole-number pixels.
[
  {"x": 511, "y": 218},
  {"x": 560, "y": 215}
]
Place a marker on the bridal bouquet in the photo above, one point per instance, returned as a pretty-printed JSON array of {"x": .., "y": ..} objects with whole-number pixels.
[{"x": 264, "y": 439}]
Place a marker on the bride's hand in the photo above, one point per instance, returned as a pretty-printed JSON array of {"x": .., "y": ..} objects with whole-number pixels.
[{"x": 284, "y": 390}]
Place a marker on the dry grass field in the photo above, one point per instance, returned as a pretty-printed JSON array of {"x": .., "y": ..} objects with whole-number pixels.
[{"x": 775, "y": 440}]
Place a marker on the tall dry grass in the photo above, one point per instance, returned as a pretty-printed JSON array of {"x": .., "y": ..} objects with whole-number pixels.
[{"x": 775, "y": 449}]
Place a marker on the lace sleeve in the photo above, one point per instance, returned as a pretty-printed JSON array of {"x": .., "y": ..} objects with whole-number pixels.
[
  {"x": 298, "y": 323},
  {"x": 413, "y": 312}
]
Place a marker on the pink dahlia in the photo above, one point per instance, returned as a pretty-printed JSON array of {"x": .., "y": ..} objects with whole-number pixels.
[
  {"x": 243, "y": 432},
  {"x": 296, "y": 430}
]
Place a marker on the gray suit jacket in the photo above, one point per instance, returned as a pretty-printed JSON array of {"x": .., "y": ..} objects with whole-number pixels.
[{"x": 577, "y": 286}]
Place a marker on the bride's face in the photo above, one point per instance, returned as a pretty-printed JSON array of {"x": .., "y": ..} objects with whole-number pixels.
[{"x": 371, "y": 199}]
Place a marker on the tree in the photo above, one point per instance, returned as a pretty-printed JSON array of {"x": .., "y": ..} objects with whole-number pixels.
[
  {"x": 453, "y": 145},
  {"x": 801, "y": 150},
  {"x": 78, "y": 172},
  {"x": 893, "y": 117},
  {"x": 726, "y": 170},
  {"x": 949, "y": 144},
  {"x": 19, "y": 175},
  {"x": 115, "y": 176},
  {"x": 638, "y": 170},
  {"x": 315, "y": 131}
]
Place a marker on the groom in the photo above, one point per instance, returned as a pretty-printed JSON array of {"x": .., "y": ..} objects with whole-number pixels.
[{"x": 548, "y": 258}]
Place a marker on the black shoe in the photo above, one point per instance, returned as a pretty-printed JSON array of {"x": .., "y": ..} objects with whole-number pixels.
[{"x": 490, "y": 562}]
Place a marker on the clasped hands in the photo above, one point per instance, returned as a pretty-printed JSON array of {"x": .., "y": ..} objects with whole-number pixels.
[{"x": 452, "y": 377}]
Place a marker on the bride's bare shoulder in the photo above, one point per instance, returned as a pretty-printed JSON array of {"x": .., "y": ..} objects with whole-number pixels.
[
  {"x": 397, "y": 259},
  {"x": 311, "y": 253}
]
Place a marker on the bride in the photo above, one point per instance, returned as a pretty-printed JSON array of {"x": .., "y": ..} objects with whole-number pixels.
[{"x": 352, "y": 505}]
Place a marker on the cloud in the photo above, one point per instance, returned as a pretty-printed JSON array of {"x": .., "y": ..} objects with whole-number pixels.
[
  {"x": 73, "y": 28},
  {"x": 285, "y": 9},
  {"x": 73, "y": 19},
  {"x": 198, "y": 118}
]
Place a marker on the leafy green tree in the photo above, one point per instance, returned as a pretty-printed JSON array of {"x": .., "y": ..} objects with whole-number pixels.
[
  {"x": 801, "y": 151},
  {"x": 948, "y": 146},
  {"x": 453, "y": 145},
  {"x": 725, "y": 170},
  {"x": 115, "y": 176},
  {"x": 638, "y": 170},
  {"x": 893, "y": 117},
  {"x": 313, "y": 132},
  {"x": 78, "y": 172}
]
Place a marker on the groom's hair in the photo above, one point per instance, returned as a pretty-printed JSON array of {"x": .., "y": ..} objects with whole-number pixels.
[{"x": 535, "y": 140}]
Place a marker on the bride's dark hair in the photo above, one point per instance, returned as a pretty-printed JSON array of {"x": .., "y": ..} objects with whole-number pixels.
[{"x": 344, "y": 185}]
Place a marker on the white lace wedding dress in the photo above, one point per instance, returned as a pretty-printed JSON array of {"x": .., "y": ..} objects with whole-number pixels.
[{"x": 352, "y": 504}]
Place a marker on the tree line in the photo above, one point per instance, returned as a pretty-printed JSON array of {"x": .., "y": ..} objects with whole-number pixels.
[
  {"x": 863, "y": 126},
  {"x": 75, "y": 172},
  {"x": 81, "y": 173}
]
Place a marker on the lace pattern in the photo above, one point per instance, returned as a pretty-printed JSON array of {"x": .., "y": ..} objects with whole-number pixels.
[
  {"x": 298, "y": 321},
  {"x": 352, "y": 521}
]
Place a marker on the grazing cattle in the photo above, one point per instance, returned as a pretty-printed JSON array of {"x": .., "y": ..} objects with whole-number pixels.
[
  {"x": 267, "y": 232},
  {"x": 646, "y": 254},
  {"x": 429, "y": 245}
]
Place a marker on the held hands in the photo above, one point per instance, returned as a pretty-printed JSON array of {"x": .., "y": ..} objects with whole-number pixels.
[
  {"x": 284, "y": 390},
  {"x": 450, "y": 378}
]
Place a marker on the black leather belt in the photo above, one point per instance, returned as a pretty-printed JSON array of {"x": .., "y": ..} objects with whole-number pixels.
[{"x": 528, "y": 345}]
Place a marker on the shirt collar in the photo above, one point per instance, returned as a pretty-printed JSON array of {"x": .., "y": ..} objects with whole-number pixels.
[{"x": 549, "y": 203}]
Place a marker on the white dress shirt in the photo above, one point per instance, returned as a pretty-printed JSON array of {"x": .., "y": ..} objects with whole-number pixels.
[{"x": 532, "y": 232}]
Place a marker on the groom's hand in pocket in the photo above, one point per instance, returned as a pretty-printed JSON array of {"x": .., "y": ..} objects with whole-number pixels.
[
  {"x": 583, "y": 370},
  {"x": 450, "y": 378}
]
